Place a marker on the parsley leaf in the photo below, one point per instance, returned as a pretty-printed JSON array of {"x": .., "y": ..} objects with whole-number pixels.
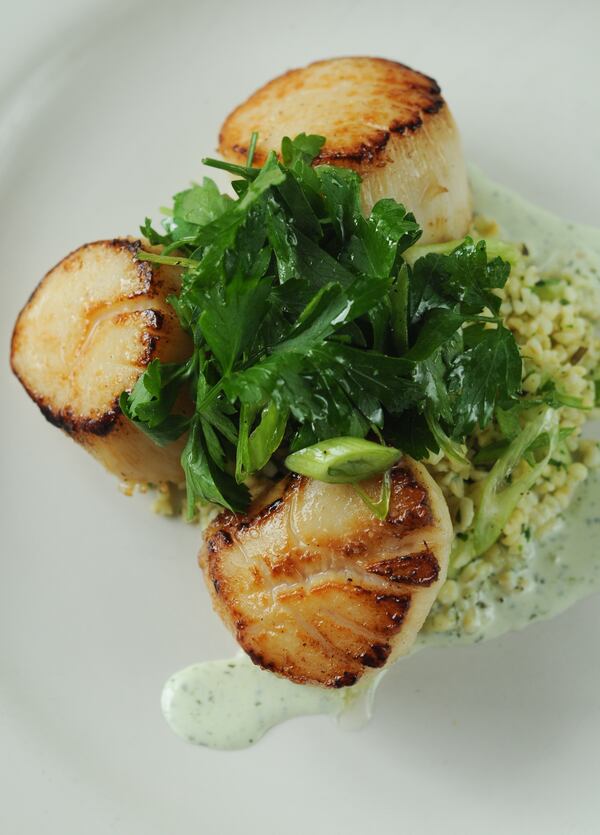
[
  {"x": 231, "y": 316},
  {"x": 205, "y": 481},
  {"x": 378, "y": 240},
  {"x": 487, "y": 373},
  {"x": 153, "y": 397},
  {"x": 195, "y": 207}
]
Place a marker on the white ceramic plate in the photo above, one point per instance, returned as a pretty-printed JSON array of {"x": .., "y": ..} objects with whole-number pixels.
[{"x": 105, "y": 116}]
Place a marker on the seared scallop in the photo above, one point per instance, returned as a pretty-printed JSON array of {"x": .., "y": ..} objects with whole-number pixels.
[
  {"x": 86, "y": 334},
  {"x": 316, "y": 588},
  {"x": 381, "y": 118}
]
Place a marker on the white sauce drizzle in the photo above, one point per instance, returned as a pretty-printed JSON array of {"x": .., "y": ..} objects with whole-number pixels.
[{"x": 231, "y": 704}]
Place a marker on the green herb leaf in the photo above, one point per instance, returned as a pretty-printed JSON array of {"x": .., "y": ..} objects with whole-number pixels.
[
  {"x": 153, "y": 397},
  {"x": 230, "y": 318},
  {"x": 487, "y": 373},
  {"x": 340, "y": 190},
  {"x": 436, "y": 329},
  {"x": 304, "y": 148},
  {"x": 195, "y": 207},
  {"x": 378, "y": 241},
  {"x": 205, "y": 482}
]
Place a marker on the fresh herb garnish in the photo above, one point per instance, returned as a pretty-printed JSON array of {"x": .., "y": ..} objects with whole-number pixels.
[{"x": 309, "y": 325}]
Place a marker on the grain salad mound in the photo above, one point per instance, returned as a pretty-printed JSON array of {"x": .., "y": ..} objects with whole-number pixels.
[{"x": 554, "y": 317}]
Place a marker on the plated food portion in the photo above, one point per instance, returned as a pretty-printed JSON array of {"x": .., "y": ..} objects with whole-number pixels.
[{"x": 372, "y": 400}]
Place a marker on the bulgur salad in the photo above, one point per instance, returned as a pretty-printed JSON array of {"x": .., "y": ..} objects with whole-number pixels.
[{"x": 554, "y": 315}]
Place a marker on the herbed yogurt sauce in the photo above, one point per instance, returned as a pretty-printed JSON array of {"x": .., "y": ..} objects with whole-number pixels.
[{"x": 230, "y": 704}]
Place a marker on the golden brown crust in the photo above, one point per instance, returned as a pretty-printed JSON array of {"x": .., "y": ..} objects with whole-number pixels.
[
  {"x": 321, "y": 600},
  {"x": 74, "y": 424},
  {"x": 391, "y": 99},
  {"x": 420, "y": 569},
  {"x": 379, "y": 117},
  {"x": 410, "y": 509}
]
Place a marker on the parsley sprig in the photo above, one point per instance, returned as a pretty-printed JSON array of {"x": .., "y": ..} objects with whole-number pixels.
[{"x": 309, "y": 324}]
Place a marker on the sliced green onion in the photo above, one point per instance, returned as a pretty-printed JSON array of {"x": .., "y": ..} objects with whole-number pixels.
[
  {"x": 171, "y": 260},
  {"x": 451, "y": 448},
  {"x": 342, "y": 460},
  {"x": 498, "y": 495},
  {"x": 251, "y": 149},
  {"x": 381, "y": 507}
]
